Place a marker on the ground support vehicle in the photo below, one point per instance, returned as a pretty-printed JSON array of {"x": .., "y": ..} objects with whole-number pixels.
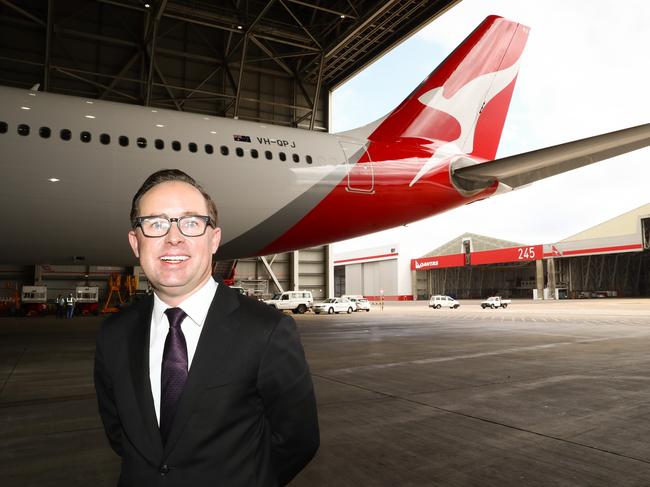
[
  {"x": 495, "y": 302},
  {"x": 438, "y": 301},
  {"x": 34, "y": 300},
  {"x": 87, "y": 300},
  {"x": 296, "y": 301}
]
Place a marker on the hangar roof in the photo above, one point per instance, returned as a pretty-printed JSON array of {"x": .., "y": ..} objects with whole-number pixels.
[
  {"x": 479, "y": 243},
  {"x": 625, "y": 224},
  {"x": 261, "y": 60}
]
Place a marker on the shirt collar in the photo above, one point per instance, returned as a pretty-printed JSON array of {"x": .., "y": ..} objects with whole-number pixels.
[{"x": 196, "y": 306}]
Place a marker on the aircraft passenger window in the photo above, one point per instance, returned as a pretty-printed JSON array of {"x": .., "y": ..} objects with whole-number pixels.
[
  {"x": 209, "y": 149},
  {"x": 142, "y": 142},
  {"x": 45, "y": 132},
  {"x": 176, "y": 145},
  {"x": 105, "y": 139},
  {"x": 124, "y": 140},
  {"x": 224, "y": 150},
  {"x": 283, "y": 156},
  {"x": 309, "y": 161},
  {"x": 85, "y": 136},
  {"x": 239, "y": 151},
  {"x": 192, "y": 147},
  {"x": 268, "y": 154},
  {"x": 65, "y": 134},
  {"x": 3, "y": 127},
  {"x": 160, "y": 144},
  {"x": 254, "y": 153},
  {"x": 296, "y": 158},
  {"x": 23, "y": 129}
]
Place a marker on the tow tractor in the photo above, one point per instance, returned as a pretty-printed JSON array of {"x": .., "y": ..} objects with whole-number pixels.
[
  {"x": 87, "y": 300},
  {"x": 34, "y": 300},
  {"x": 495, "y": 302}
]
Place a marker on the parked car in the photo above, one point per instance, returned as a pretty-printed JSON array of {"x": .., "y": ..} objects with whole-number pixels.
[
  {"x": 495, "y": 302},
  {"x": 360, "y": 303},
  {"x": 296, "y": 301},
  {"x": 334, "y": 305},
  {"x": 437, "y": 302}
]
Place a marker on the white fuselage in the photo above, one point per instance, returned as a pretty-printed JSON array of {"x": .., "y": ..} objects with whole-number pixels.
[{"x": 86, "y": 212}]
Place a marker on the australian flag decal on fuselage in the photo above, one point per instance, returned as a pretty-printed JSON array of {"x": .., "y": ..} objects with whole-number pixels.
[{"x": 241, "y": 138}]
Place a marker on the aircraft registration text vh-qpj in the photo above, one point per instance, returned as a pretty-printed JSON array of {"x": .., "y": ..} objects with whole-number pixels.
[{"x": 70, "y": 166}]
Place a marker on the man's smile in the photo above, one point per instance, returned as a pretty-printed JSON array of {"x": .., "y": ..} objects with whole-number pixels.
[{"x": 174, "y": 259}]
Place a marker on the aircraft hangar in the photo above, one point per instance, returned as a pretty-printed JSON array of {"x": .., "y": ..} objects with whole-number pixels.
[
  {"x": 608, "y": 260},
  {"x": 270, "y": 61}
]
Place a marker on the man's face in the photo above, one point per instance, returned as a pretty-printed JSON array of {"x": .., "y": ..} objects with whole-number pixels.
[{"x": 175, "y": 280}]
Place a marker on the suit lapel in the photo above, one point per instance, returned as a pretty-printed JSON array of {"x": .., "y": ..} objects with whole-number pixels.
[
  {"x": 213, "y": 346},
  {"x": 139, "y": 358}
]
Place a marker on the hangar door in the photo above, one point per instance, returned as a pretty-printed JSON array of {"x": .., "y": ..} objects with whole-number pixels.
[{"x": 370, "y": 278}]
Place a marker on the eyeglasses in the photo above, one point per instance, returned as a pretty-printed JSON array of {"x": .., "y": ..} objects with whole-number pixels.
[{"x": 158, "y": 226}]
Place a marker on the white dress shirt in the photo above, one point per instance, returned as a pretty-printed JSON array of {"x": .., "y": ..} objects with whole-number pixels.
[{"x": 196, "y": 308}]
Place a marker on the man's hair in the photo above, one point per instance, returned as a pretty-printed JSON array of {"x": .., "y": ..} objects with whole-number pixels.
[{"x": 168, "y": 175}]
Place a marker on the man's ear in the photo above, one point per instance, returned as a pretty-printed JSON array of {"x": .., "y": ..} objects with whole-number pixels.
[
  {"x": 133, "y": 241},
  {"x": 215, "y": 238}
]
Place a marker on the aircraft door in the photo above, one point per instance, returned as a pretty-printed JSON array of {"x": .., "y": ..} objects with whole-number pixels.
[{"x": 361, "y": 177}]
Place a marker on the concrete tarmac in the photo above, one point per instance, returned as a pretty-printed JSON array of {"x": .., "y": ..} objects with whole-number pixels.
[{"x": 539, "y": 394}]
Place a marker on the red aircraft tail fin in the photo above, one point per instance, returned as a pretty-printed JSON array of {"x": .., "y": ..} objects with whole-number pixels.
[{"x": 464, "y": 101}]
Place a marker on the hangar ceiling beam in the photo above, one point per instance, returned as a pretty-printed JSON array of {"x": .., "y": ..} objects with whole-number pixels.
[
  {"x": 200, "y": 44},
  {"x": 150, "y": 36},
  {"x": 286, "y": 68},
  {"x": 23, "y": 12},
  {"x": 302, "y": 26},
  {"x": 69, "y": 72},
  {"x": 242, "y": 65},
  {"x": 168, "y": 89},
  {"x": 241, "y": 77},
  {"x": 362, "y": 25},
  {"x": 318, "y": 85},
  {"x": 322, "y": 9},
  {"x": 125, "y": 68},
  {"x": 48, "y": 40}
]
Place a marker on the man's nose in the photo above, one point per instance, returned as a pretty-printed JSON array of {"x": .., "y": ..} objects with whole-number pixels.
[{"x": 174, "y": 235}]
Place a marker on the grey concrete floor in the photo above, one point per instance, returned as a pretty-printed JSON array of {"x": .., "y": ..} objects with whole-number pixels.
[{"x": 539, "y": 394}]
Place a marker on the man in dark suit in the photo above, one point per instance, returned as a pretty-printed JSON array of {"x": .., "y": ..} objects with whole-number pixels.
[{"x": 199, "y": 385}]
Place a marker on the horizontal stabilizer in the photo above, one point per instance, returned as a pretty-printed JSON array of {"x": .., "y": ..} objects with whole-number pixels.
[{"x": 522, "y": 169}]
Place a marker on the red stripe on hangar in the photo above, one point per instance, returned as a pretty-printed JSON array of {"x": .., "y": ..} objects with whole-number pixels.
[
  {"x": 598, "y": 250},
  {"x": 513, "y": 254},
  {"x": 526, "y": 253}
]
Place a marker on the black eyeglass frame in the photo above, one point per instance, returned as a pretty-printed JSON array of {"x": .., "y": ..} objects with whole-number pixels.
[{"x": 140, "y": 219}]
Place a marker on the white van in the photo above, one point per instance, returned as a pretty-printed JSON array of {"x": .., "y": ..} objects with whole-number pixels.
[
  {"x": 296, "y": 301},
  {"x": 437, "y": 302}
]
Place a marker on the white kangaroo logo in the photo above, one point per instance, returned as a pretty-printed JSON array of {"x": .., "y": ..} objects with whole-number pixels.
[{"x": 465, "y": 106}]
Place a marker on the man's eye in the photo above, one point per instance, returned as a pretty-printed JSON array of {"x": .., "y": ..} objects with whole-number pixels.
[{"x": 157, "y": 224}]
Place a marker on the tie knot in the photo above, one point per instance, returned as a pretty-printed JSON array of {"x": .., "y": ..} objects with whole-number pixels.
[{"x": 175, "y": 316}]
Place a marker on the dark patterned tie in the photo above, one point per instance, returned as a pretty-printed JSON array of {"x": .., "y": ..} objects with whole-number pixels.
[{"x": 174, "y": 370}]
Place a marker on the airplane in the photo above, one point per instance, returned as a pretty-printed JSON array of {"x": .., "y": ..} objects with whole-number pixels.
[{"x": 70, "y": 165}]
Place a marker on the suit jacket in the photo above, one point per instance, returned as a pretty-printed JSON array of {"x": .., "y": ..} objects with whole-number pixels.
[{"x": 247, "y": 416}]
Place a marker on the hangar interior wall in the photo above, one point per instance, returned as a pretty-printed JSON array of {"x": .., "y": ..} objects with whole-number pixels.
[
  {"x": 303, "y": 270},
  {"x": 625, "y": 274},
  {"x": 474, "y": 282}
]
